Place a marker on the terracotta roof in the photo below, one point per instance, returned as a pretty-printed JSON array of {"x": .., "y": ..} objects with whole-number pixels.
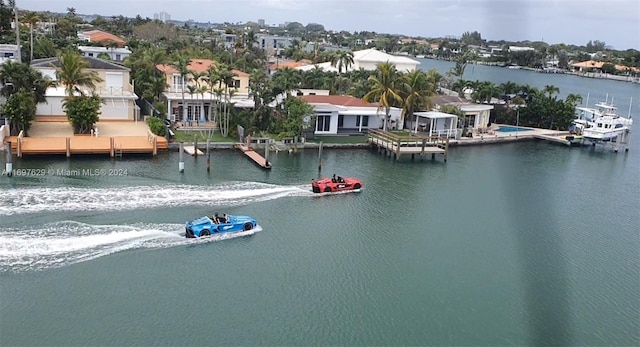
[
  {"x": 598, "y": 65},
  {"x": 338, "y": 100},
  {"x": 196, "y": 65},
  {"x": 289, "y": 64},
  {"x": 101, "y": 36}
]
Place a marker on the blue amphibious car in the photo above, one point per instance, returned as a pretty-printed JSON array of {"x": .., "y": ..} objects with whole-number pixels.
[{"x": 225, "y": 223}]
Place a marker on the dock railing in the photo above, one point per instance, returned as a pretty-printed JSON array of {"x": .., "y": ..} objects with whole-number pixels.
[
  {"x": 153, "y": 139},
  {"x": 19, "y": 147},
  {"x": 394, "y": 142}
]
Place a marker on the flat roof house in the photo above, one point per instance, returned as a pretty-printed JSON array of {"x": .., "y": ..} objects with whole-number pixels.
[
  {"x": 368, "y": 59},
  {"x": 115, "y": 54},
  {"x": 343, "y": 114}
]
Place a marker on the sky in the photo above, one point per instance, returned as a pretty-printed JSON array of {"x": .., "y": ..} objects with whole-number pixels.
[{"x": 616, "y": 22}]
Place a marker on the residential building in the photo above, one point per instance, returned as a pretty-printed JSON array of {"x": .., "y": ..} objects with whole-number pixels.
[
  {"x": 198, "y": 99},
  {"x": 162, "y": 16},
  {"x": 115, "y": 90},
  {"x": 101, "y": 37},
  {"x": 115, "y": 54},
  {"x": 9, "y": 52},
  {"x": 273, "y": 44},
  {"x": 261, "y": 22},
  {"x": 335, "y": 114},
  {"x": 520, "y": 49},
  {"x": 476, "y": 115},
  {"x": 369, "y": 59}
]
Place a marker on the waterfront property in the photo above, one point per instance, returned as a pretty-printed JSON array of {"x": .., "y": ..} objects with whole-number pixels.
[
  {"x": 344, "y": 114},
  {"x": 476, "y": 115},
  {"x": 197, "y": 94},
  {"x": 115, "y": 90},
  {"x": 368, "y": 59}
]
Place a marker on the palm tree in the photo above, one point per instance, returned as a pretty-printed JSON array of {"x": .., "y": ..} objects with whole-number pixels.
[
  {"x": 31, "y": 18},
  {"x": 341, "y": 59},
  {"x": 573, "y": 99},
  {"x": 73, "y": 75},
  {"x": 384, "y": 88},
  {"x": 550, "y": 90},
  {"x": 211, "y": 78},
  {"x": 182, "y": 65},
  {"x": 416, "y": 92}
]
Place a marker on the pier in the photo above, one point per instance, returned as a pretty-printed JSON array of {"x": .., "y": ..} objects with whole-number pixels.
[
  {"x": 253, "y": 155},
  {"x": 192, "y": 150},
  {"x": 396, "y": 145},
  {"x": 85, "y": 144}
]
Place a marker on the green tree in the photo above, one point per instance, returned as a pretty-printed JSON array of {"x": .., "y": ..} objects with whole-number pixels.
[
  {"x": 83, "y": 111},
  {"x": 73, "y": 73},
  {"x": 342, "y": 59},
  {"x": 20, "y": 109},
  {"x": 385, "y": 86},
  {"x": 416, "y": 91}
]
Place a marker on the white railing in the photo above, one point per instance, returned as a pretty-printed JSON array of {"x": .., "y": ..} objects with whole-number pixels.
[
  {"x": 115, "y": 91},
  {"x": 444, "y": 132}
]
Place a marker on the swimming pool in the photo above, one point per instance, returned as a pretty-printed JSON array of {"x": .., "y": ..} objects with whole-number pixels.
[{"x": 510, "y": 129}]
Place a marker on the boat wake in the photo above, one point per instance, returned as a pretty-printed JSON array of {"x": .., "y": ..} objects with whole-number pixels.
[
  {"x": 63, "y": 243},
  {"x": 33, "y": 200}
]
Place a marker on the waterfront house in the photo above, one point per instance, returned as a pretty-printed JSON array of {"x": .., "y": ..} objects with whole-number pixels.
[
  {"x": 115, "y": 90},
  {"x": 368, "y": 59},
  {"x": 114, "y": 53},
  {"x": 344, "y": 114},
  {"x": 102, "y": 37},
  {"x": 476, "y": 115},
  {"x": 198, "y": 98}
]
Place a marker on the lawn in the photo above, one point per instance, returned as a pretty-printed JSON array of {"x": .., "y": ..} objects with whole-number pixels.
[{"x": 189, "y": 135}]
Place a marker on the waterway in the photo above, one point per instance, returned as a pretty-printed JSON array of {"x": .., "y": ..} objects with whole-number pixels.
[{"x": 515, "y": 244}]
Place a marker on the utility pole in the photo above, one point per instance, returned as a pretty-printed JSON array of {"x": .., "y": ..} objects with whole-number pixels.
[{"x": 15, "y": 12}]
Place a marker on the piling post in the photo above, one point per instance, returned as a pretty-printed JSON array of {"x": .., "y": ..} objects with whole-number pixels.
[
  {"x": 195, "y": 146},
  {"x": 320, "y": 157},
  {"x": 9, "y": 164},
  {"x": 68, "y": 143},
  {"x": 181, "y": 163},
  {"x": 266, "y": 151},
  {"x": 208, "y": 157}
]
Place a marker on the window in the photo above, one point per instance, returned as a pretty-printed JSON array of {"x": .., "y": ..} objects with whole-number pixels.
[
  {"x": 323, "y": 123},
  {"x": 299, "y": 93},
  {"x": 236, "y": 83},
  {"x": 90, "y": 54},
  {"x": 177, "y": 82},
  {"x": 340, "y": 121},
  {"x": 365, "y": 121},
  {"x": 118, "y": 57}
]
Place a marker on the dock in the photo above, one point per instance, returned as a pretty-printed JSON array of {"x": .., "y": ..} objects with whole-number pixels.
[
  {"x": 395, "y": 145},
  {"x": 113, "y": 146},
  {"x": 191, "y": 150},
  {"x": 253, "y": 155}
]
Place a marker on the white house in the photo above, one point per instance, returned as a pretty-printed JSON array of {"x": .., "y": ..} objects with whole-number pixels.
[
  {"x": 476, "y": 115},
  {"x": 436, "y": 123},
  {"x": 337, "y": 114},
  {"x": 115, "y": 90},
  {"x": 368, "y": 59},
  {"x": 115, "y": 54},
  {"x": 9, "y": 52}
]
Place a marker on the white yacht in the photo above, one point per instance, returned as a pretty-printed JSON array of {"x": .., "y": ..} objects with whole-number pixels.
[{"x": 612, "y": 125}]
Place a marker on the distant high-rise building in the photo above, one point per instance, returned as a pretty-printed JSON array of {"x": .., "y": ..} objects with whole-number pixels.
[
  {"x": 261, "y": 22},
  {"x": 162, "y": 16}
]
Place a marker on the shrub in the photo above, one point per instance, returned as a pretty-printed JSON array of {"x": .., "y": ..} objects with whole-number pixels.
[{"x": 157, "y": 126}]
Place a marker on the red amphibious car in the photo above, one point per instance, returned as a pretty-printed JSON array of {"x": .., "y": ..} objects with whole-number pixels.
[{"x": 336, "y": 184}]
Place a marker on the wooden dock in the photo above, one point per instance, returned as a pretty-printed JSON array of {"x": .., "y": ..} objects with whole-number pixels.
[
  {"x": 112, "y": 146},
  {"x": 192, "y": 150},
  {"x": 395, "y": 145},
  {"x": 253, "y": 155}
]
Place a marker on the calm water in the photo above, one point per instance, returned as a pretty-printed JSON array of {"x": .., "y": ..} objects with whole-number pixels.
[{"x": 517, "y": 244}]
